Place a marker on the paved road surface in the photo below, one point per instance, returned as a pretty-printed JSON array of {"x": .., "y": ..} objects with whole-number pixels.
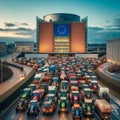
[{"x": 12, "y": 115}]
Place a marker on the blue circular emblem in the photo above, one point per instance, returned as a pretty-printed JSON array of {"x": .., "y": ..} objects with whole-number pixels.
[{"x": 61, "y": 29}]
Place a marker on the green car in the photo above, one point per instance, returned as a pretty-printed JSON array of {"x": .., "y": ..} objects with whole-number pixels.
[
  {"x": 88, "y": 108},
  {"x": 63, "y": 104},
  {"x": 27, "y": 92}
]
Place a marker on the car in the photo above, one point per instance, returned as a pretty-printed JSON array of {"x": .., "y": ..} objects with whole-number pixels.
[
  {"x": 52, "y": 90},
  {"x": 63, "y": 104},
  {"x": 48, "y": 107},
  {"x": 27, "y": 92},
  {"x": 32, "y": 86},
  {"x": 22, "y": 105},
  {"x": 63, "y": 93},
  {"x": 33, "y": 108},
  {"x": 74, "y": 97},
  {"x": 38, "y": 95},
  {"x": 94, "y": 86},
  {"x": 55, "y": 81},
  {"x": 88, "y": 108},
  {"x": 76, "y": 111},
  {"x": 51, "y": 97},
  {"x": 44, "y": 86},
  {"x": 64, "y": 85}
]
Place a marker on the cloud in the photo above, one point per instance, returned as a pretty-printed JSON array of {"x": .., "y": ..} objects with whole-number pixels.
[
  {"x": 95, "y": 29},
  {"x": 25, "y": 24},
  {"x": 10, "y": 24},
  {"x": 15, "y": 24},
  {"x": 17, "y": 32},
  {"x": 109, "y": 31},
  {"x": 13, "y": 39}
]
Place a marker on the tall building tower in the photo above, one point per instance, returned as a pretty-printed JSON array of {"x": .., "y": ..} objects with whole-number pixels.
[{"x": 61, "y": 33}]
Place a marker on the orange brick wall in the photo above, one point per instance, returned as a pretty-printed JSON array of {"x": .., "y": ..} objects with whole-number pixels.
[
  {"x": 77, "y": 37},
  {"x": 46, "y": 40}
]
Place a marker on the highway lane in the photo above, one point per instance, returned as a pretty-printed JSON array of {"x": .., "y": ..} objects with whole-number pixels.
[
  {"x": 14, "y": 79},
  {"x": 12, "y": 115},
  {"x": 11, "y": 81}
]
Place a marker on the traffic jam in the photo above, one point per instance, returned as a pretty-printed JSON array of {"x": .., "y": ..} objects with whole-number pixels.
[{"x": 64, "y": 84}]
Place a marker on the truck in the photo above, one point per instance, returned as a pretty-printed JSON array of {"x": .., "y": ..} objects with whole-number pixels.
[
  {"x": 103, "y": 108},
  {"x": 103, "y": 93},
  {"x": 76, "y": 111},
  {"x": 38, "y": 77},
  {"x": 52, "y": 90},
  {"x": 88, "y": 108},
  {"x": 63, "y": 104},
  {"x": 74, "y": 97},
  {"x": 27, "y": 92},
  {"x": 94, "y": 86},
  {"x": 55, "y": 81},
  {"x": 38, "y": 95},
  {"x": 33, "y": 108},
  {"x": 48, "y": 107},
  {"x": 22, "y": 105},
  {"x": 64, "y": 85}
]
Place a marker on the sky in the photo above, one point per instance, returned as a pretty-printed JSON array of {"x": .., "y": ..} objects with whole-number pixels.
[{"x": 18, "y": 17}]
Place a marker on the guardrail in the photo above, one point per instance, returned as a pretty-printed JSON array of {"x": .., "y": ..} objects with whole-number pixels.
[
  {"x": 14, "y": 65},
  {"x": 9, "y": 96},
  {"x": 113, "y": 84}
]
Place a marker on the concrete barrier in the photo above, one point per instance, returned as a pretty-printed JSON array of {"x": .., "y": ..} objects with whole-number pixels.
[
  {"x": 9, "y": 96},
  {"x": 113, "y": 84}
]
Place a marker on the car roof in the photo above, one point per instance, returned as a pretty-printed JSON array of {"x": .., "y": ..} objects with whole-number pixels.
[
  {"x": 47, "y": 102},
  {"x": 51, "y": 87},
  {"x": 27, "y": 88},
  {"x": 87, "y": 89},
  {"x": 63, "y": 98},
  {"x": 75, "y": 91},
  {"x": 49, "y": 95}
]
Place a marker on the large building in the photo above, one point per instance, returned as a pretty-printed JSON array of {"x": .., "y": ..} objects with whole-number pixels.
[
  {"x": 24, "y": 46},
  {"x": 61, "y": 33},
  {"x": 113, "y": 51}
]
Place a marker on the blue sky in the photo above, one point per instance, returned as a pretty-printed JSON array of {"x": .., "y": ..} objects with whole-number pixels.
[{"x": 18, "y": 17}]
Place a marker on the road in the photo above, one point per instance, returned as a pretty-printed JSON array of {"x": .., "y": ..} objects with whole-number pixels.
[{"x": 12, "y": 115}]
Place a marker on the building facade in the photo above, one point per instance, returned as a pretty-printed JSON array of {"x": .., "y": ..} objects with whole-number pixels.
[
  {"x": 3, "y": 49},
  {"x": 113, "y": 51},
  {"x": 61, "y": 33},
  {"x": 24, "y": 46}
]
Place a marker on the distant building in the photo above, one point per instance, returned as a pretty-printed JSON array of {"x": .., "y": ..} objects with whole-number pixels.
[
  {"x": 61, "y": 33},
  {"x": 113, "y": 51},
  {"x": 3, "y": 49},
  {"x": 10, "y": 48},
  {"x": 24, "y": 46}
]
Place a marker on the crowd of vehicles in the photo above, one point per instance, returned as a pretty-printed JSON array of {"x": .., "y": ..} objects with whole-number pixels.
[{"x": 65, "y": 84}]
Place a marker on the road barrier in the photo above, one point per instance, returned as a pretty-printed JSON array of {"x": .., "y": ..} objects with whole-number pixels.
[
  {"x": 113, "y": 84},
  {"x": 9, "y": 96}
]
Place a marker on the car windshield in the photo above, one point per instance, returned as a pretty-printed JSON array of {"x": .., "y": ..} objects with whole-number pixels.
[
  {"x": 63, "y": 93},
  {"x": 47, "y": 105},
  {"x": 26, "y": 91},
  {"x": 51, "y": 92},
  {"x": 36, "y": 94},
  {"x": 75, "y": 94},
  {"x": 94, "y": 84},
  {"x": 33, "y": 103}
]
